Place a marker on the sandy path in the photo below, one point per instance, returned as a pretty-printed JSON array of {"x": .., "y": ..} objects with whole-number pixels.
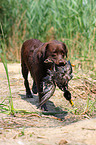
[{"x": 59, "y": 129}]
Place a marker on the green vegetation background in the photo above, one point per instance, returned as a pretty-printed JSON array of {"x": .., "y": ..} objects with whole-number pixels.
[{"x": 70, "y": 21}]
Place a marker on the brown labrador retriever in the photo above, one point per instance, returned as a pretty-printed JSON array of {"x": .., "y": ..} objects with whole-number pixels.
[{"x": 35, "y": 57}]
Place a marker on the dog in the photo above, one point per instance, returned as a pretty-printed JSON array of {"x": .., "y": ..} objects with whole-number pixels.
[{"x": 35, "y": 58}]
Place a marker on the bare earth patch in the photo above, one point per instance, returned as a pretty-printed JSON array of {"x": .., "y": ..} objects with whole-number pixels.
[{"x": 61, "y": 125}]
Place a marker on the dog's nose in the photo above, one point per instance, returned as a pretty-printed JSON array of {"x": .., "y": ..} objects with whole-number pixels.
[{"x": 61, "y": 62}]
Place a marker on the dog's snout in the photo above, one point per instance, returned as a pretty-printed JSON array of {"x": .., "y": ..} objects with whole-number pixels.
[{"x": 61, "y": 61}]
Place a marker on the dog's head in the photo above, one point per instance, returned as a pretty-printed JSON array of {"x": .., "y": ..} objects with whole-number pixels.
[{"x": 55, "y": 51}]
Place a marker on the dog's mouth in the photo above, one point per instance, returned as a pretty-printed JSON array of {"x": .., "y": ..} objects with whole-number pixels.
[
  {"x": 57, "y": 63},
  {"x": 49, "y": 61},
  {"x": 60, "y": 64}
]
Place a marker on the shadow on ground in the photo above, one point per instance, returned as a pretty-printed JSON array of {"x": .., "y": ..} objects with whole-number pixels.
[{"x": 52, "y": 109}]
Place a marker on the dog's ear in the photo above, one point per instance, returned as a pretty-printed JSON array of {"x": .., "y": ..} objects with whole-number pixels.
[
  {"x": 41, "y": 54},
  {"x": 65, "y": 49},
  {"x": 44, "y": 49}
]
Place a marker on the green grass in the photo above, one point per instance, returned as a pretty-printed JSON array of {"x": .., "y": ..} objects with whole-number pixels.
[
  {"x": 10, "y": 107},
  {"x": 72, "y": 21}
]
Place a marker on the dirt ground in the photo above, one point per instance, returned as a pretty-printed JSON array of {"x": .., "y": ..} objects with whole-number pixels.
[{"x": 61, "y": 125}]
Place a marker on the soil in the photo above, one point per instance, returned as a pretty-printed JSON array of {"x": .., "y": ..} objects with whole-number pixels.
[{"x": 61, "y": 125}]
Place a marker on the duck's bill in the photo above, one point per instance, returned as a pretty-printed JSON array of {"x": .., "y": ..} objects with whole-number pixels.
[{"x": 71, "y": 102}]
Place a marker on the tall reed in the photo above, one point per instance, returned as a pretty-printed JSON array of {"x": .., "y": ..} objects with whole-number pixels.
[
  {"x": 72, "y": 21},
  {"x": 10, "y": 108}
]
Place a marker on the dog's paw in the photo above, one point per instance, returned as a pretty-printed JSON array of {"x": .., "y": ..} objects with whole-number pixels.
[
  {"x": 29, "y": 95},
  {"x": 34, "y": 89}
]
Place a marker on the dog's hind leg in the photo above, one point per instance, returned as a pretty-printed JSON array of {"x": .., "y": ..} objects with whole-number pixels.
[{"x": 26, "y": 83}]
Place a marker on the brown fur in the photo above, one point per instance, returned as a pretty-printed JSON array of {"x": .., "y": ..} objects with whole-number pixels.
[{"x": 34, "y": 54}]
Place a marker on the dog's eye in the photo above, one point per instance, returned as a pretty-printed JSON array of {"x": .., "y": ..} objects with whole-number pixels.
[{"x": 62, "y": 53}]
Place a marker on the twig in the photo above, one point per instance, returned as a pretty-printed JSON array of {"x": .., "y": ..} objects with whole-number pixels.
[
  {"x": 29, "y": 115},
  {"x": 52, "y": 117},
  {"x": 89, "y": 128}
]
